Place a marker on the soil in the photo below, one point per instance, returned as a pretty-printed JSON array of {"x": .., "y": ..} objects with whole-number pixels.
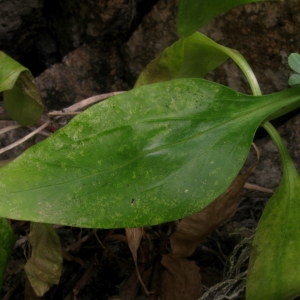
[{"x": 77, "y": 50}]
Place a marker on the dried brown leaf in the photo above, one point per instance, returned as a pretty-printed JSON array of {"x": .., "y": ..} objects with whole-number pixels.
[
  {"x": 134, "y": 237},
  {"x": 129, "y": 289},
  {"x": 44, "y": 267},
  {"x": 193, "y": 229},
  {"x": 181, "y": 280}
]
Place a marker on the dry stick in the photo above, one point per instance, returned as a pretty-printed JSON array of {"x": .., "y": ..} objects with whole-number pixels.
[
  {"x": 25, "y": 138},
  {"x": 71, "y": 110},
  {"x": 63, "y": 113},
  {"x": 44, "y": 133},
  {"x": 9, "y": 128},
  {"x": 257, "y": 151},
  {"x": 255, "y": 187}
]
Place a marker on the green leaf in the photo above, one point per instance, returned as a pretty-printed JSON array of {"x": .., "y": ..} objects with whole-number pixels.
[
  {"x": 44, "y": 267},
  {"x": 294, "y": 62},
  {"x": 274, "y": 269},
  {"x": 21, "y": 97},
  {"x": 7, "y": 240},
  {"x": 9, "y": 72},
  {"x": 157, "y": 153},
  {"x": 193, "y": 14},
  {"x": 294, "y": 79},
  {"x": 193, "y": 56}
]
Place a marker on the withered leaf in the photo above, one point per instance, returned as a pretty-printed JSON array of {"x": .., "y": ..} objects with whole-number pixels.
[
  {"x": 44, "y": 267},
  {"x": 134, "y": 237},
  {"x": 181, "y": 279},
  {"x": 193, "y": 229}
]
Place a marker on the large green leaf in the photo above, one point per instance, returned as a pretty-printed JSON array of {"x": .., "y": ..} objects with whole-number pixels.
[
  {"x": 157, "y": 153},
  {"x": 193, "y": 14},
  {"x": 7, "y": 239},
  {"x": 21, "y": 97},
  {"x": 276, "y": 246}
]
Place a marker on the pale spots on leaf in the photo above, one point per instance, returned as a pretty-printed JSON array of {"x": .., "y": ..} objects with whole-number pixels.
[{"x": 156, "y": 145}]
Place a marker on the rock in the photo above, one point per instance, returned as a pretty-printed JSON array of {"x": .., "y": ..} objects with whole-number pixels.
[
  {"x": 156, "y": 32},
  {"x": 76, "y": 22},
  {"x": 23, "y": 32},
  {"x": 84, "y": 72},
  {"x": 265, "y": 33},
  {"x": 40, "y": 33}
]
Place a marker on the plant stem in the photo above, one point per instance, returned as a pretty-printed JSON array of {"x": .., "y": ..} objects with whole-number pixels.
[
  {"x": 286, "y": 160},
  {"x": 242, "y": 63}
]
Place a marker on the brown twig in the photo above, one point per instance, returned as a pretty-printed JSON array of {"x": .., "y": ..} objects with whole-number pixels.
[
  {"x": 255, "y": 187},
  {"x": 9, "y": 128},
  {"x": 69, "y": 111},
  {"x": 57, "y": 113},
  {"x": 75, "y": 108},
  {"x": 25, "y": 138}
]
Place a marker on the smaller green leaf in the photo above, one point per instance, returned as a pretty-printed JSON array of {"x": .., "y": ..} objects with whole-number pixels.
[
  {"x": 7, "y": 240},
  {"x": 9, "y": 72},
  {"x": 193, "y": 14},
  {"x": 44, "y": 267},
  {"x": 294, "y": 79},
  {"x": 193, "y": 56},
  {"x": 294, "y": 62},
  {"x": 274, "y": 269},
  {"x": 21, "y": 97}
]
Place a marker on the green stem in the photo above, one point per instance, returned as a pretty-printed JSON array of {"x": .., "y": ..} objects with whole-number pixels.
[
  {"x": 286, "y": 160},
  {"x": 239, "y": 59}
]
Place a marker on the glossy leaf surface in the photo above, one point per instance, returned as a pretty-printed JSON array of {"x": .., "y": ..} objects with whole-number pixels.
[
  {"x": 274, "y": 269},
  {"x": 193, "y": 14},
  {"x": 7, "y": 239},
  {"x": 157, "y": 153},
  {"x": 193, "y": 56},
  {"x": 22, "y": 101}
]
